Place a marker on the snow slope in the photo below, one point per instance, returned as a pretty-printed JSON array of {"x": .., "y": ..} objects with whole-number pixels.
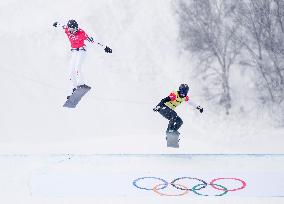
[
  {"x": 121, "y": 178},
  {"x": 116, "y": 116}
]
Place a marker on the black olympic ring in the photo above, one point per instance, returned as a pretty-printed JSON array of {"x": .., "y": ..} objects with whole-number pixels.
[
  {"x": 177, "y": 179},
  {"x": 203, "y": 184}
]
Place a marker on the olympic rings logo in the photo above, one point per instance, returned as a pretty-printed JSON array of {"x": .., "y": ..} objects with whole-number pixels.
[{"x": 179, "y": 184}]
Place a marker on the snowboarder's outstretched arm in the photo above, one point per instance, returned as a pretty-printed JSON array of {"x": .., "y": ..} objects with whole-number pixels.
[
  {"x": 106, "y": 48},
  {"x": 89, "y": 39},
  {"x": 198, "y": 107},
  {"x": 57, "y": 24}
]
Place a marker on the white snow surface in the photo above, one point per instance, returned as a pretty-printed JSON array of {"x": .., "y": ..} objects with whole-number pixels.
[
  {"x": 116, "y": 116},
  {"x": 110, "y": 178}
]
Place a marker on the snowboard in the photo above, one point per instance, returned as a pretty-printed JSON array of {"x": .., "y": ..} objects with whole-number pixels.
[
  {"x": 173, "y": 139},
  {"x": 74, "y": 99}
]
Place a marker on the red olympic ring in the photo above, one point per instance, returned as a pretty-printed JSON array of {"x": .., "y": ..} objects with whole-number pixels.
[
  {"x": 155, "y": 189},
  {"x": 212, "y": 183}
]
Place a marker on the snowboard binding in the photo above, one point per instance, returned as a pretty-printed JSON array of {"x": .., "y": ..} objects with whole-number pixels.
[{"x": 76, "y": 96}]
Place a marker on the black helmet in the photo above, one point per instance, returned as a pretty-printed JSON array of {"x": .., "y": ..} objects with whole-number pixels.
[
  {"x": 72, "y": 24},
  {"x": 183, "y": 90}
]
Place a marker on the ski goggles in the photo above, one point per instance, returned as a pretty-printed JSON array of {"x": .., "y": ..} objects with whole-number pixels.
[
  {"x": 183, "y": 93},
  {"x": 72, "y": 30}
]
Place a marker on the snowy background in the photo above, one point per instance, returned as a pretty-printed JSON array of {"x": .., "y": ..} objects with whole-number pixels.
[{"x": 116, "y": 116}]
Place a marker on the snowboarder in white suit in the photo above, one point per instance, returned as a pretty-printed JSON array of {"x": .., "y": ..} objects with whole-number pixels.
[{"x": 77, "y": 37}]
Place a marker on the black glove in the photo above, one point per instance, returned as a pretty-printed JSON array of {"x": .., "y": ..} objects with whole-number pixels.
[
  {"x": 157, "y": 108},
  {"x": 108, "y": 50},
  {"x": 90, "y": 39},
  {"x": 200, "y": 109},
  {"x": 55, "y": 24}
]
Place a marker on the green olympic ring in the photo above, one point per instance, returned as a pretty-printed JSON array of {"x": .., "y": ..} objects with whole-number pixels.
[{"x": 195, "y": 189}]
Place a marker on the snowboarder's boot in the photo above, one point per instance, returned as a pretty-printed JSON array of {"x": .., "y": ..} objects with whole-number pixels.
[{"x": 84, "y": 86}]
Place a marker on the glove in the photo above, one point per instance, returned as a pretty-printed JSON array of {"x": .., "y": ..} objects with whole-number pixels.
[
  {"x": 200, "y": 109},
  {"x": 108, "y": 50},
  {"x": 55, "y": 24},
  {"x": 90, "y": 39},
  {"x": 157, "y": 108}
]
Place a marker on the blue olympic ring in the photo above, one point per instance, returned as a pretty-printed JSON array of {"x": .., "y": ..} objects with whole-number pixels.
[{"x": 165, "y": 183}]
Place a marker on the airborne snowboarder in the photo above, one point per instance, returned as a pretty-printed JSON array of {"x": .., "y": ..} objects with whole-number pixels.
[
  {"x": 167, "y": 109},
  {"x": 77, "y": 37}
]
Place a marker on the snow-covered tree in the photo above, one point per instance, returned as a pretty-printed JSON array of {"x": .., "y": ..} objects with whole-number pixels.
[{"x": 206, "y": 30}]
